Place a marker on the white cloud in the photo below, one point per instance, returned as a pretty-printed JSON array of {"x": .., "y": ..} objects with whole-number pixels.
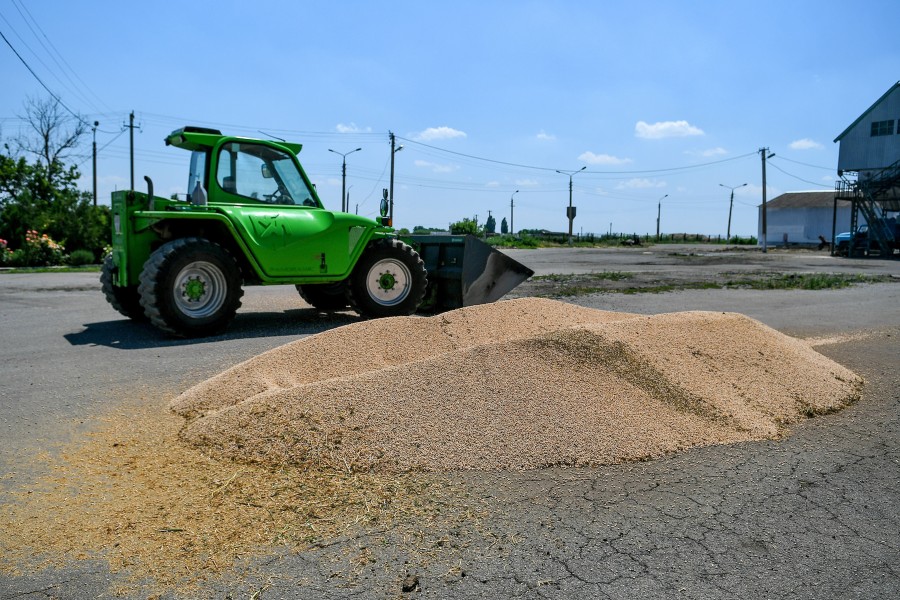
[
  {"x": 352, "y": 128},
  {"x": 526, "y": 182},
  {"x": 435, "y": 168},
  {"x": 438, "y": 133},
  {"x": 602, "y": 159},
  {"x": 545, "y": 137},
  {"x": 805, "y": 144},
  {"x": 640, "y": 184},
  {"x": 492, "y": 184},
  {"x": 719, "y": 151},
  {"x": 665, "y": 129}
]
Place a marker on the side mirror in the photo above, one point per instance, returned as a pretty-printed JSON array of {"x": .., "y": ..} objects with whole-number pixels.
[
  {"x": 384, "y": 204},
  {"x": 266, "y": 171}
]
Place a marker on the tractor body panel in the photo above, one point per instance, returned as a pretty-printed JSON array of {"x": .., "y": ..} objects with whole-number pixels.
[{"x": 252, "y": 217}]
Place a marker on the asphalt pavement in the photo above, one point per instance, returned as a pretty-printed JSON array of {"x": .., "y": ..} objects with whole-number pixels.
[{"x": 814, "y": 515}]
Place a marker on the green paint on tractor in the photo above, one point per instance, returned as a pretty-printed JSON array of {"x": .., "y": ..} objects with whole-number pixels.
[{"x": 253, "y": 217}]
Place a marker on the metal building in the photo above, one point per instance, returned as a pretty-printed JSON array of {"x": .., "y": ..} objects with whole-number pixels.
[{"x": 869, "y": 171}]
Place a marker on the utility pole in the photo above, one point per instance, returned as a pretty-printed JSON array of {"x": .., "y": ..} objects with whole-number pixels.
[
  {"x": 570, "y": 211},
  {"x": 764, "y": 154},
  {"x": 730, "y": 205},
  {"x": 394, "y": 150},
  {"x": 131, "y": 146},
  {"x": 659, "y": 214},
  {"x": 512, "y": 231},
  {"x": 96, "y": 123}
]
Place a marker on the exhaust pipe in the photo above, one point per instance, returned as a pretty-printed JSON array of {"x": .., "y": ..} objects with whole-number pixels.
[{"x": 151, "y": 205}]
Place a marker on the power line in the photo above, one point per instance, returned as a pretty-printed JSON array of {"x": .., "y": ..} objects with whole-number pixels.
[
  {"x": 63, "y": 58},
  {"x": 73, "y": 88},
  {"x": 806, "y": 164},
  {"x": 521, "y": 166},
  {"x": 800, "y": 178},
  {"x": 44, "y": 85}
]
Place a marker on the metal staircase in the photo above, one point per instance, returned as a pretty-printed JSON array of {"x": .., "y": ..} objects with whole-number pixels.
[{"x": 874, "y": 196}]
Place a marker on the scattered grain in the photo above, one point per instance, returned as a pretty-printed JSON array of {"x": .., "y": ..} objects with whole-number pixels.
[{"x": 513, "y": 385}]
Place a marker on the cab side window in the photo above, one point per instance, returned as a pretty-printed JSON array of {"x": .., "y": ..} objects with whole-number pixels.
[{"x": 241, "y": 171}]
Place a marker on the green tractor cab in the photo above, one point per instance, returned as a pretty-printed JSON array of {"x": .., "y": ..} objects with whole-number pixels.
[{"x": 252, "y": 217}]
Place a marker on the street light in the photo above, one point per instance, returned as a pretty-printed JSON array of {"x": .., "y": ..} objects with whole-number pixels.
[
  {"x": 570, "y": 212},
  {"x": 730, "y": 204},
  {"x": 511, "y": 230},
  {"x": 344, "y": 176},
  {"x": 659, "y": 214}
]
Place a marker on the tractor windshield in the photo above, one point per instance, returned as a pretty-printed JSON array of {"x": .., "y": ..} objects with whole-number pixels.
[{"x": 261, "y": 173}]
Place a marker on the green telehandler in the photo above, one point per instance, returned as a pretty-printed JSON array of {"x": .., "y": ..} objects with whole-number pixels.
[{"x": 252, "y": 217}]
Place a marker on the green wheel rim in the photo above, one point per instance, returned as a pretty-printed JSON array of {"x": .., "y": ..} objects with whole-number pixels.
[{"x": 200, "y": 290}]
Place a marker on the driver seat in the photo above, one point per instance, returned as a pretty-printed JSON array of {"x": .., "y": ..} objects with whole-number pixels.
[{"x": 228, "y": 185}]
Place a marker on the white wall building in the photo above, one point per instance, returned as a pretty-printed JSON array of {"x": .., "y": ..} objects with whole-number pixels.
[{"x": 799, "y": 218}]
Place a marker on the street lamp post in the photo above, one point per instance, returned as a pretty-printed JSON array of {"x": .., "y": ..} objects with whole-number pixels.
[
  {"x": 570, "y": 212},
  {"x": 659, "y": 214},
  {"x": 512, "y": 231},
  {"x": 730, "y": 204},
  {"x": 344, "y": 176}
]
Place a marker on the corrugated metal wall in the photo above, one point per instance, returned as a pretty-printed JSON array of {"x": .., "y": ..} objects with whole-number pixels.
[{"x": 859, "y": 151}]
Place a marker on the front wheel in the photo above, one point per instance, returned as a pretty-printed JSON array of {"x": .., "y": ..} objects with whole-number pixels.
[
  {"x": 389, "y": 280},
  {"x": 191, "y": 287}
]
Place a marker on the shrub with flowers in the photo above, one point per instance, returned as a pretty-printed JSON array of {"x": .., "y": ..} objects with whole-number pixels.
[
  {"x": 6, "y": 255},
  {"x": 39, "y": 250}
]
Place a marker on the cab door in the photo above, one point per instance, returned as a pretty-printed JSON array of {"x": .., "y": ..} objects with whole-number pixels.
[{"x": 268, "y": 198}]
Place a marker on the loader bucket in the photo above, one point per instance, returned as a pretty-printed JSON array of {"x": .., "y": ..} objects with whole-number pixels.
[{"x": 464, "y": 271}]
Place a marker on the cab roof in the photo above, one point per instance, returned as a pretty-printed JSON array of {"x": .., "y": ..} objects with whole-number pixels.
[{"x": 195, "y": 138}]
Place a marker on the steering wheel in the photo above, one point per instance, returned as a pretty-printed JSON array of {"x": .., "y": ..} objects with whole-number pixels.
[{"x": 280, "y": 196}]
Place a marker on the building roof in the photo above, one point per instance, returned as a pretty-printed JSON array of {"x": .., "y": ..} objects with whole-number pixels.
[
  {"x": 863, "y": 116},
  {"x": 803, "y": 200}
]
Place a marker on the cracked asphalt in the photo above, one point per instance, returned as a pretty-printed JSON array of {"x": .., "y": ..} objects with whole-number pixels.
[{"x": 814, "y": 515}]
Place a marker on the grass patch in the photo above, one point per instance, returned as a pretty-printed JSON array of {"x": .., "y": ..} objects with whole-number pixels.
[
  {"x": 603, "y": 276},
  {"x": 63, "y": 269},
  {"x": 808, "y": 281}
]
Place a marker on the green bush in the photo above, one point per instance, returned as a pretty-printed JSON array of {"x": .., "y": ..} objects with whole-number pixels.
[{"x": 81, "y": 257}]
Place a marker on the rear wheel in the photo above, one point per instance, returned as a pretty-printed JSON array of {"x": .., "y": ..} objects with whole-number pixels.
[
  {"x": 191, "y": 287},
  {"x": 125, "y": 299},
  {"x": 389, "y": 280},
  {"x": 325, "y": 296}
]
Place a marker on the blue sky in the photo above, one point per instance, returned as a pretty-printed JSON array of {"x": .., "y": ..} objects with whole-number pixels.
[{"x": 488, "y": 97}]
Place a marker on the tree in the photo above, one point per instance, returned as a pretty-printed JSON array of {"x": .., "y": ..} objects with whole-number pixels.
[
  {"x": 463, "y": 227},
  {"x": 55, "y": 134},
  {"x": 504, "y": 228},
  {"x": 490, "y": 226},
  {"x": 43, "y": 196}
]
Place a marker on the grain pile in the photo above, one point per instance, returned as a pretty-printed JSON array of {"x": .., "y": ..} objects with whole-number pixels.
[{"x": 513, "y": 385}]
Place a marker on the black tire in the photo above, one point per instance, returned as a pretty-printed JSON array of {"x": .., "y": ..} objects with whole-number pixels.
[
  {"x": 126, "y": 299},
  {"x": 389, "y": 280},
  {"x": 191, "y": 287},
  {"x": 325, "y": 296}
]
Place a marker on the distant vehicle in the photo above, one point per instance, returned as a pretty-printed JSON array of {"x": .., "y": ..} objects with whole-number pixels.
[
  {"x": 842, "y": 240},
  {"x": 860, "y": 244}
]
